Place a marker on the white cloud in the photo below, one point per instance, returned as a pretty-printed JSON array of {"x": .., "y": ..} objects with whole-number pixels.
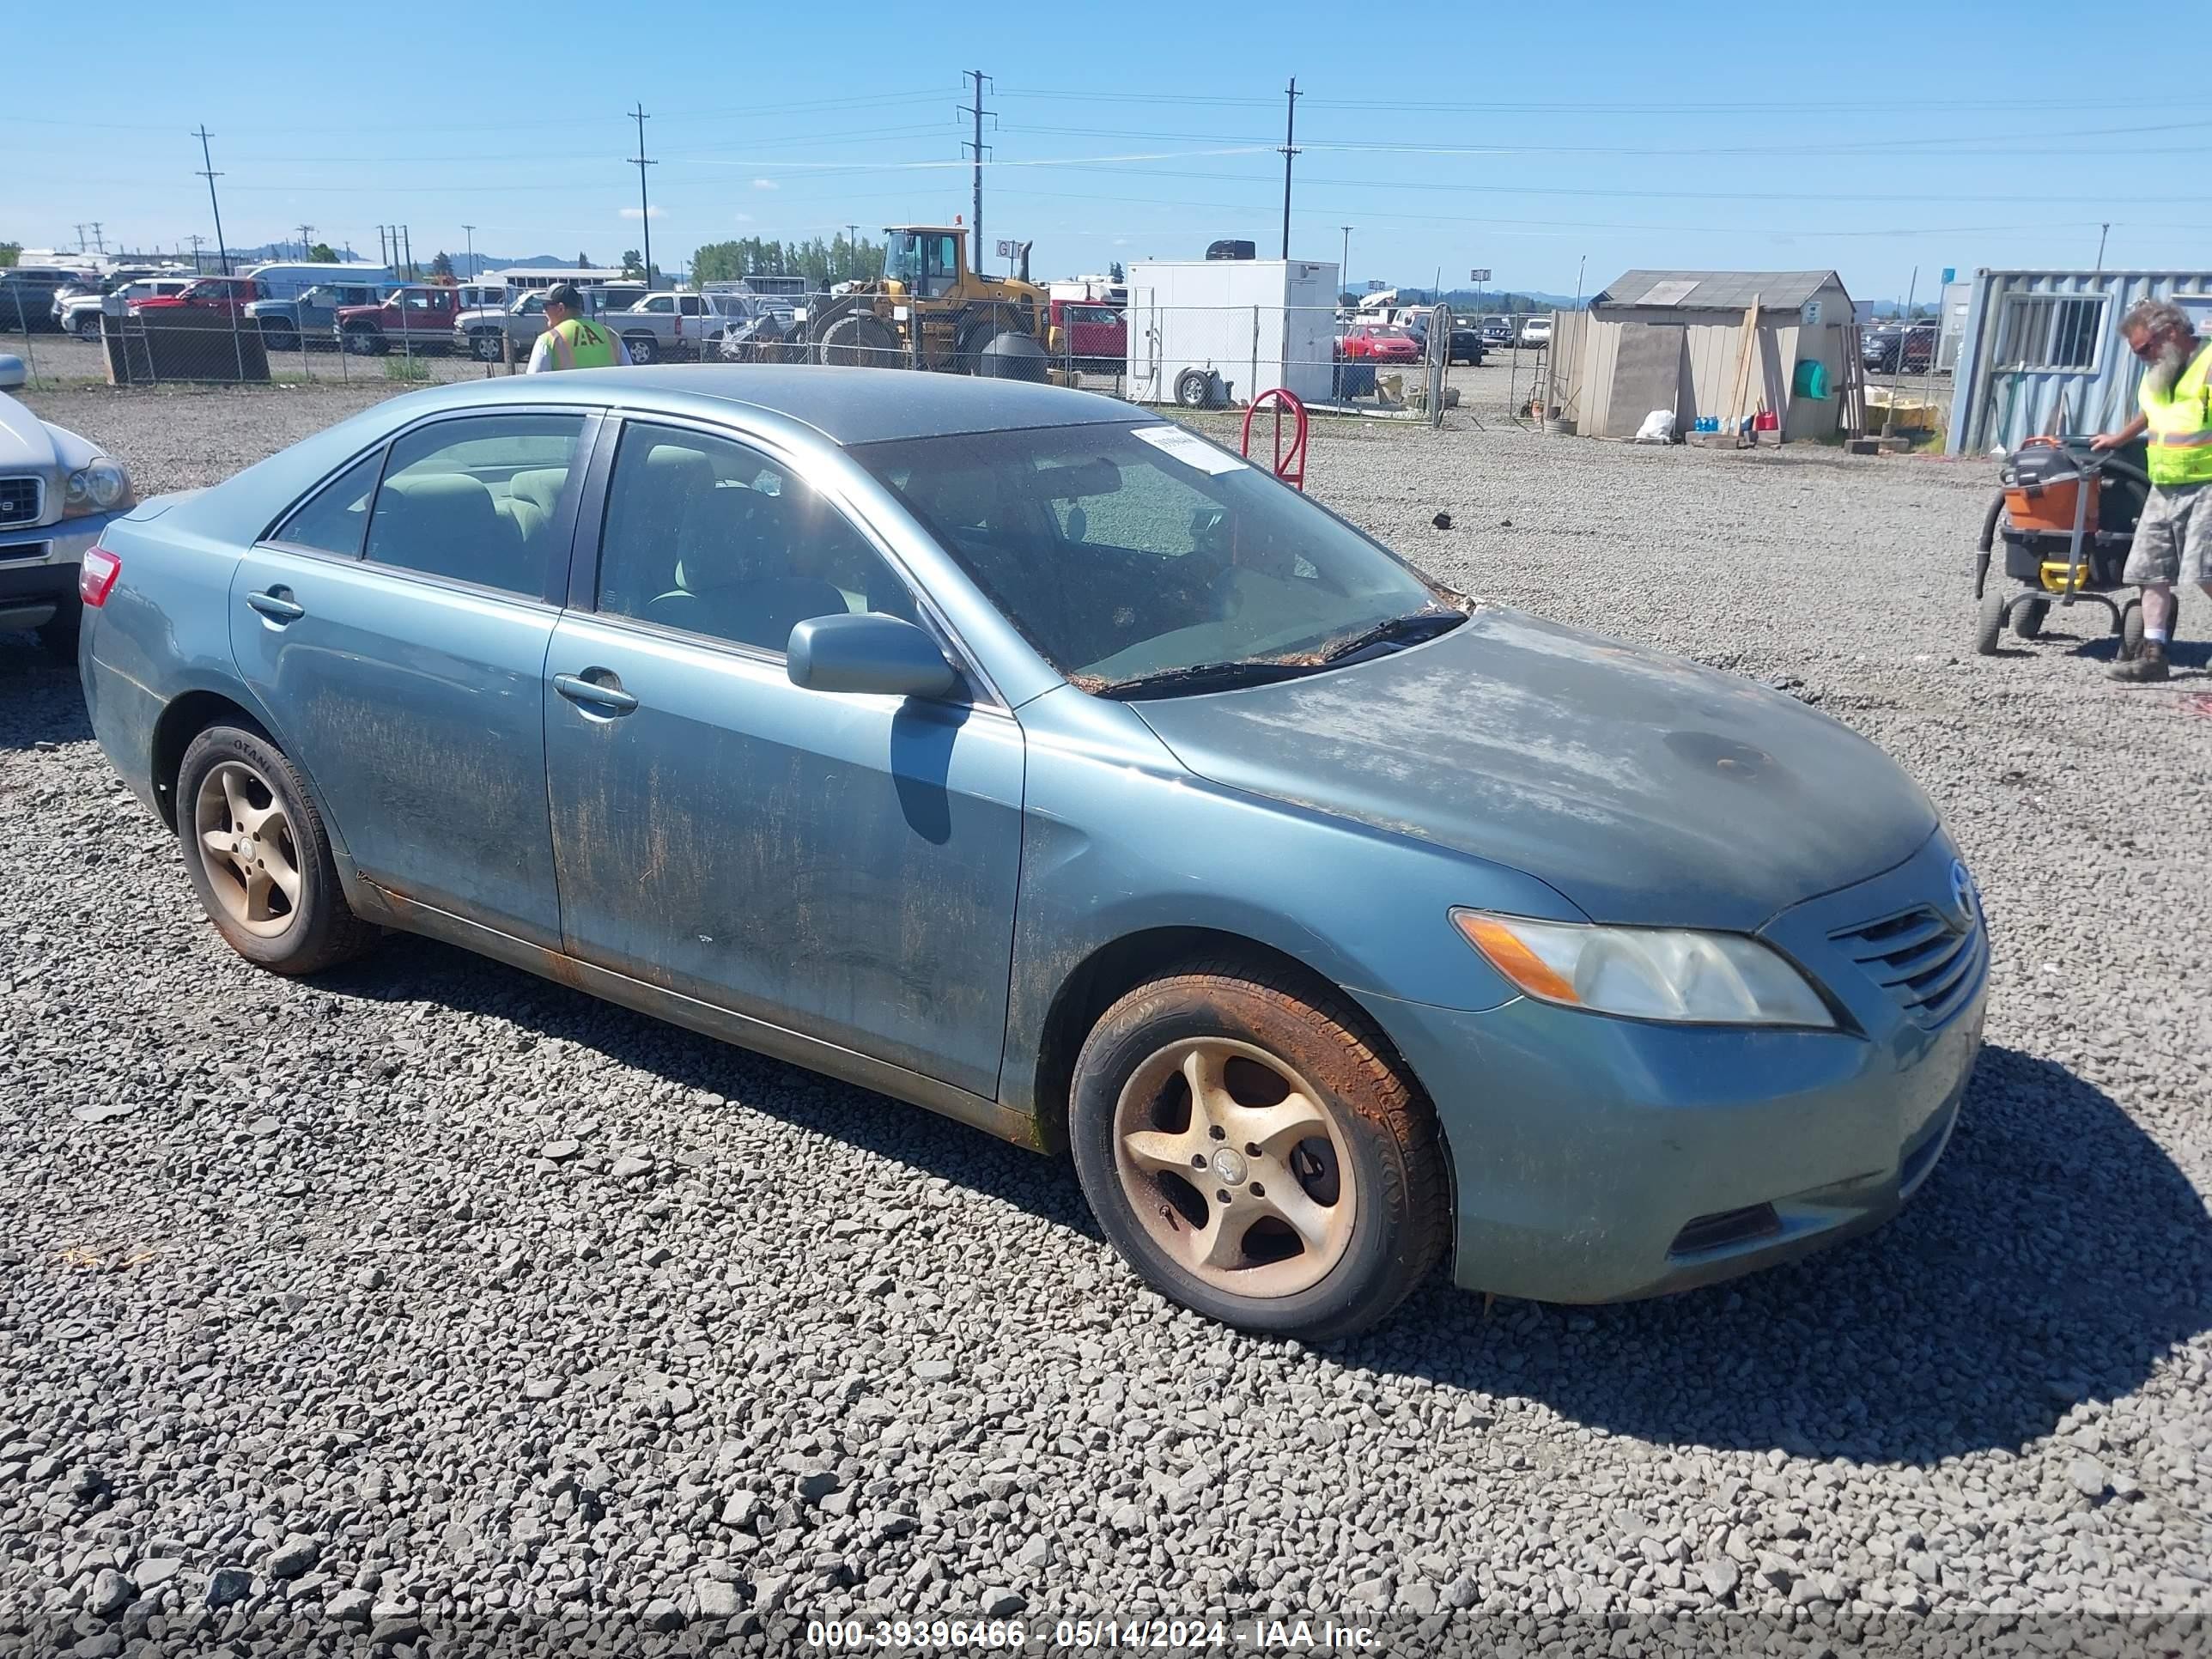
[
  {"x": 766, "y": 184},
  {"x": 641, "y": 213},
  {"x": 745, "y": 218}
]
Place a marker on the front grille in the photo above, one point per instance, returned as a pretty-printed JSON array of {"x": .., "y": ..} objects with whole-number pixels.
[
  {"x": 20, "y": 500},
  {"x": 1932, "y": 966}
]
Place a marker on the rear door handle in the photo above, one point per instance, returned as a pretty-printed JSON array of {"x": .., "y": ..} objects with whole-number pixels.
[
  {"x": 277, "y": 605},
  {"x": 592, "y": 694}
]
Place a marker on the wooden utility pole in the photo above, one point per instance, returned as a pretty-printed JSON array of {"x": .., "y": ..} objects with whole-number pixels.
[
  {"x": 208, "y": 172},
  {"x": 644, "y": 206},
  {"x": 1290, "y": 149}
]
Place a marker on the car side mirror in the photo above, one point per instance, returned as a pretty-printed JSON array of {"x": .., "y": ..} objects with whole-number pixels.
[{"x": 867, "y": 652}]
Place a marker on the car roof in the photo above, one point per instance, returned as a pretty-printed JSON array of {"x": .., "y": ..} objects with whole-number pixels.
[{"x": 846, "y": 405}]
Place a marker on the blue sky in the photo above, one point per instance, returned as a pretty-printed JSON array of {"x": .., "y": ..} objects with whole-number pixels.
[{"x": 1767, "y": 137}]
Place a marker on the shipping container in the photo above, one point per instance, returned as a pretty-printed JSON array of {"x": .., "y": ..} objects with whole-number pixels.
[{"x": 2042, "y": 352}]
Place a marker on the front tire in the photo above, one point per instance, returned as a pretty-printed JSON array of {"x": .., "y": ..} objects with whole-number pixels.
[
  {"x": 486, "y": 346},
  {"x": 259, "y": 858},
  {"x": 279, "y": 341},
  {"x": 1249, "y": 1149},
  {"x": 1194, "y": 389},
  {"x": 1990, "y": 624},
  {"x": 861, "y": 339}
]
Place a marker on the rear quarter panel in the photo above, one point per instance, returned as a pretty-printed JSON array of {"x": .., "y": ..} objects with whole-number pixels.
[{"x": 163, "y": 632}]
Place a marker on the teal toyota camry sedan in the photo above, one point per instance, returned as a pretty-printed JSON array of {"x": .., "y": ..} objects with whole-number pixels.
[{"x": 1012, "y": 752}]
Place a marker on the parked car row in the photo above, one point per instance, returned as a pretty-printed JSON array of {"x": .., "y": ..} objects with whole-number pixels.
[{"x": 364, "y": 310}]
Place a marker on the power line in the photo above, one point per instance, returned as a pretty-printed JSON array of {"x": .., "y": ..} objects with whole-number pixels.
[
  {"x": 208, "y": 172},
  {"x": 644, "y": 206}
]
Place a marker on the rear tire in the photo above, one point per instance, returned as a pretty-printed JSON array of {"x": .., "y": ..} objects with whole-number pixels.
[
  {"x": 643, "y": 349},
  {"x": 1320, "y": 1194},
  {"x": 1194, "y": 389},
  {"x": 2027, "y": 617},
  {"x": 246, "y": 826},
  {"x": 1011, "y": 355}
]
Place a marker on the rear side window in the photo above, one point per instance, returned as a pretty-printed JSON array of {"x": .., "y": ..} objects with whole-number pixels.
[
  {"x": 476, "y": 500},
  {"x": 334, "y": 518}
]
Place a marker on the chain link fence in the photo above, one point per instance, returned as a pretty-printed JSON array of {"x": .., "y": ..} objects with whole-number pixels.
[{"x": 1422, "y": 366}]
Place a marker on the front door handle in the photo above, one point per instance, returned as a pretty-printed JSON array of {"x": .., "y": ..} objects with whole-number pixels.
[
  {"x": 278, "y": 604},
  {"x": 607, "y": 699}
]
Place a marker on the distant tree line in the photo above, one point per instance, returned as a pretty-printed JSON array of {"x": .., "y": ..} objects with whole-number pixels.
[{"x": 821, "y": 263}]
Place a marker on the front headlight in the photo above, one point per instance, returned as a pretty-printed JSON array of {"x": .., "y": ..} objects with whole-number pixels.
[
  {"x": 1646, "y": 973},
  {"x": 96, "y": 487}
]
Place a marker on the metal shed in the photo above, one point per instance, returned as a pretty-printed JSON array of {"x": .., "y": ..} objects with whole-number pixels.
[
  {"x": 1672, "y": 339},
  {"x": 2043, "y": 352}
]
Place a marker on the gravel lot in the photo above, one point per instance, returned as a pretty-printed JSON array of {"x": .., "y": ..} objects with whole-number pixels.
[{"x": 432, "y": 1297}]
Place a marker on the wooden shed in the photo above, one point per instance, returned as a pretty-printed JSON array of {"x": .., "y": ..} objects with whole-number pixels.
[{"x": 1675, "y": 339}]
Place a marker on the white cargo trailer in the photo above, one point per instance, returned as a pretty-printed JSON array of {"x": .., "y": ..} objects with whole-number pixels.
[{"x": 1257, "y": 324}]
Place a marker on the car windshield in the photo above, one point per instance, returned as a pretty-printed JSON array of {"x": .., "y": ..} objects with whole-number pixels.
[{"x": 1130, "y": 554}]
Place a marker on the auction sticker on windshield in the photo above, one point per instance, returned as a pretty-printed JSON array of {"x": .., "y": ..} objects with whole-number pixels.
[{"x": 1188, "y": 448}]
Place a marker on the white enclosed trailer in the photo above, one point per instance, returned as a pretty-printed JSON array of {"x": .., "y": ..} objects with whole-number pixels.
[{"x": 1257, "y": 323}]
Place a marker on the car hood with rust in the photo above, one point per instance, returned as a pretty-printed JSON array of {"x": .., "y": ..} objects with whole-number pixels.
[{"x": 1645, "y": 788}]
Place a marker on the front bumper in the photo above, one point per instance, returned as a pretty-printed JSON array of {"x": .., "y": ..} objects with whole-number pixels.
[
  {"x": 38, "y": 567},
  {"x": 1599, "y": 1160}
]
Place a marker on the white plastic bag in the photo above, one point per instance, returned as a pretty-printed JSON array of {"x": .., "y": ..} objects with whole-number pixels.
[{"x": 1658, "y": 427}]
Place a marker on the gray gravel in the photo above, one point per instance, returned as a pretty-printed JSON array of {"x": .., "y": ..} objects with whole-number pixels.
[{"x": 430, "y": 1300}]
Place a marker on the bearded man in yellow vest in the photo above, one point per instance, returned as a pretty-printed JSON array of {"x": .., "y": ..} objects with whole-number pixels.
[
  {"x": 2173, "y": 537},
  {"x": 569, "y": 341}
]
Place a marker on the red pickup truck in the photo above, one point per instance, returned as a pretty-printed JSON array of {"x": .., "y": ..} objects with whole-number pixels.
[
  {"x": 419, "y": 319},
  {"x": 1091, "y": 333},
  {"x": 230, "y": 294}
]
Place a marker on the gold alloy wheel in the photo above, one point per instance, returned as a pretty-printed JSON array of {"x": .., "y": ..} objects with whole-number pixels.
[
  {"x": 248, "y": 847},
  {"x": 1232, "y": 1164}
]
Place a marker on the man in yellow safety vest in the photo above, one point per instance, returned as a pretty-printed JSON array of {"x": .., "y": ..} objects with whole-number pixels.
[
  {"x": 570, "y": 341},
  {"x": 2173, "y": 537}
]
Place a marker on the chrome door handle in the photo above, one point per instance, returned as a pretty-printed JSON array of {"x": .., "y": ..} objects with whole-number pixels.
[
  {"x": 608, "y": 699},
  {"x": 275, "y": 606}
]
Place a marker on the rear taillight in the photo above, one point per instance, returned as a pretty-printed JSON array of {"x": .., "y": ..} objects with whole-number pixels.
[{"x": 95, "y": 577}]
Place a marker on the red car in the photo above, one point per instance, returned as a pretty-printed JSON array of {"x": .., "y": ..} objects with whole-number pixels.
[
  {"x": 1372, "y": 341},
  {"x": 417, "y": 317},
  {"x": 231, "y": 293}
]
